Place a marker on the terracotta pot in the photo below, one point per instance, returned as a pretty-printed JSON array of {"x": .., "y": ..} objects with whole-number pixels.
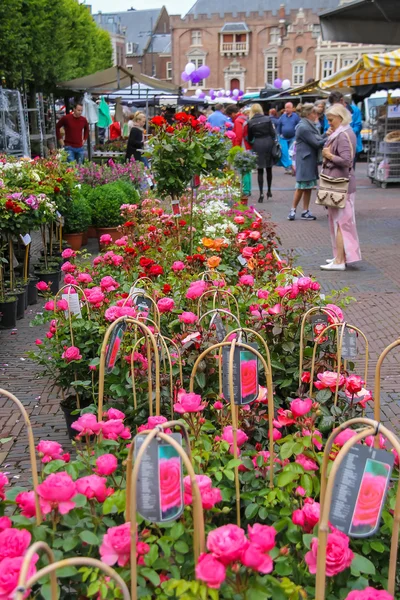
[
  {"x": 85, "y": 238},
  {"x": 113, "y": 231},
  {"x": 244, "y": 200},
  {"x": 91, "y": 232},
  {"x": 74, "y": 240}
]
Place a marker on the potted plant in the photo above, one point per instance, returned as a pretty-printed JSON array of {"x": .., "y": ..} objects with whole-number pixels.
[
  {"x": 8, "y": 304},
  {"x": 107, "y": 201},
  {"x": 244, "y": 162},
  {"x": 77, "y": 219}
]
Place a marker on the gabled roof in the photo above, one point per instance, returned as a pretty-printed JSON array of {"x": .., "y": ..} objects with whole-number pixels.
[
  {"x": 139, "y": 24},
  {"x": 234, "y": 28},
  {"x": 222, "y": 7},
  {"x": 160, "y": 43}
]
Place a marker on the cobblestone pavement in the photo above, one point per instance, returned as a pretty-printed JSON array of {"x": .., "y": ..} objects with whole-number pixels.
[{"x": 374, "y": 282}]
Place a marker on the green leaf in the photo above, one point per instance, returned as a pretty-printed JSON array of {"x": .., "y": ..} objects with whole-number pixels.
[
  {"x": 53, "y": 466},
  {"x": 287, "y": 450},
  {"x": 67, "y": 572},
  {"x": 201, "y": 379},
  {"x": 285, "y": 478},
  {"x": 235, "y": 462},
  {"x": 181, "y": 547},
  {"x": 323, "y": 396},
  {"x": 307, "y": 483},
  {"x": 69, "y": 543},
  {"x": 80, "y": 500},
  {"x": 89, "y": 538},
  {"x": 377, "y": 546},
  {"x": 93, "y": 588},
  {"x": 251, "y": 511},
  {"x": 46, "y": 593},
  {"x": 177, "y": 530},
  {"x": 283, "y": 568},
  {"x": 307, "y": 539},
  {"x": 13, "y": 493},
  {"x": 360, "y": 564}
]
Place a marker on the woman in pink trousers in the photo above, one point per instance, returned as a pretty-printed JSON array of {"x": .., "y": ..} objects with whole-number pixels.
[{"x": 338, "y": 157}]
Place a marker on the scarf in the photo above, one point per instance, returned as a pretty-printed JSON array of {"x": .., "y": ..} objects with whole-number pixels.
[{"x": 335, "y": 133}]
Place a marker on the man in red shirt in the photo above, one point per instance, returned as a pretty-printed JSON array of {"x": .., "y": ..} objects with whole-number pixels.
[{"x": 76, "y": 130}]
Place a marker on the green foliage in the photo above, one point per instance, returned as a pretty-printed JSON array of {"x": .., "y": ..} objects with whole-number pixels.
[
  {"x": 106, "y": 202},
  {"x": 43, "y": 42},
  {"x": 78, "y": 215}
]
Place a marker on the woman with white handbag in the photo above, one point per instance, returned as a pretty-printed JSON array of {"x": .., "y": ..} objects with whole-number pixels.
[{"x": 337, "y": 189}]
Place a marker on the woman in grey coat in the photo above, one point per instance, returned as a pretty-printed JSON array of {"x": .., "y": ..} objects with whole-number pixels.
[{"x": 309, "y": 141}]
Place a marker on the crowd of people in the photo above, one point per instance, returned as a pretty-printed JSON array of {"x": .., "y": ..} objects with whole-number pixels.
[{"x": 309, "y": 136}]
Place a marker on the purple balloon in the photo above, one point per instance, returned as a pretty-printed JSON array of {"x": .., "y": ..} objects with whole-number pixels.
[
  {"x": 278, "y": 83},
  {"x": 195, "y": 77},
  {"x": 202, "y": 95},
  {"x": 185, "y": 76},
  {"x": 241, "y": 93},
  {"x": 213, "y": 96},
  {"x": 203, "y": 71},
  {"x": 220, "y": 94}
]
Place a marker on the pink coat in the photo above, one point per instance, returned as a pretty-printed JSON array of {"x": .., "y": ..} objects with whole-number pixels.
[{"x": 341, "y": 164}]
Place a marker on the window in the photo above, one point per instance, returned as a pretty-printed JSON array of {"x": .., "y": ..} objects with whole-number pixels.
[
  {"x": 271, "y": 68},
  {"x": 129, "y": 48},
  {"x": 298, "y": 74},
  {"x": 196, "y": 37},
  {"x": 198, "y": 62},
  {"x": 153, "y": 71},
  {"x": 110, "y": 20},
  {"x": 169, "y": 70},
  {"x": 346, "y": 62},
  {"x": 327, "y": 68},
  {"x": 274, "y": 35},
  {"x": 316, "y": 31}
]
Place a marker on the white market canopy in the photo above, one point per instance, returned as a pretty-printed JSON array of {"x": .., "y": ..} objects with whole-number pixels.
[{"x": 367, "y": 70}]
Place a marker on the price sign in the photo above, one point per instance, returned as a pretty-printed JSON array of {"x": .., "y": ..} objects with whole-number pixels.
[
  {"x": 74, "y": 305},
  {"x": 349, "y": 343},
  {"x": 244, "y": 373},
  {"x": 26, "y": 239},
  {"x": 319, "y": 323},
  {"x": 220, "y": 330},
  {"x": 160, "y": 480},
  {"x": 114, "y": 345}
]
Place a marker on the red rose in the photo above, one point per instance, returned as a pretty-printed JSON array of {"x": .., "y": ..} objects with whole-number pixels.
[
  {"x": 57, "y": 189},
  {"x": 167, "y": 288},
  {"x": 130, "y": 250},
  {"x": 156, "y": 270},
  {"x": 170, "y": 129},
  {"x": 129, "y": 224},
  {"x": 158, "y": 121},
  {"x": 182, "y": 117},
  {"x": 151, "y": 228},
  {"x": 146, "y": 262}
]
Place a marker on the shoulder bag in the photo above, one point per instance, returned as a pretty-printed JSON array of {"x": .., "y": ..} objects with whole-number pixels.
[
  {"x": 332, "y": 191},
  {"x": 276, "y": 151}
]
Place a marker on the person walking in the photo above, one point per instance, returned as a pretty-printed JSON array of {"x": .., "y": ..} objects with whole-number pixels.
[
  {"x": 286, "y": 129},
  {"x": 338, "y": 157},
  {"x": 337, "y": 97},
  {"x": 320, "y": 105},
  {"x": 218, "y": 118},
  {"x": 273, "y": 115},
  {"x": 261, "y": 135},
  {"x": 308, "y": 145},
  {"x": 239, "y": 120},
  {"x": 76, "y": 130},
  {"x": 136, "y": 139}
]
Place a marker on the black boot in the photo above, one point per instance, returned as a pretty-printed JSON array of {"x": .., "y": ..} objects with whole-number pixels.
[
  {"x": 269, "y": 194},
  {"x": 261, "y": 198}
]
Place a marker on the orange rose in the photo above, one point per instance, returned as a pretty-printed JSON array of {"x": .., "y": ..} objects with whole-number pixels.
[
  {"x": 213, "y": 262},
  {"x": 207, "y": 242}
]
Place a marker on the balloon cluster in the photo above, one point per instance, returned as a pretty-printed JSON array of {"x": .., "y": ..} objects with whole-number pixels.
[
  {"x": 196, "y": 75},
  {"x": 282, "y": 85}
]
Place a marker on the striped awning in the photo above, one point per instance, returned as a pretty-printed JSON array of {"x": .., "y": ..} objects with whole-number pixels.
[{"x": 369, "y": 69}]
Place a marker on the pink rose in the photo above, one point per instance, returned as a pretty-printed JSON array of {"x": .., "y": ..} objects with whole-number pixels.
[
  {"x": 5, "y": 523},
  {"x": 277, "y": 435},
  {"x": 307, "y": 463},
  {"x": 246, "y": 280},
  {"x": 370, "y": 440},
  {"x": 262, "y": 536},
  {"x": 255, "y": 559},
  {"x": 116, "y": 545},
  {"x": 239, "y": 220},
  {"x": 42, "y": 286},
  {"x": 9, "y": 574},
  {"x": 56, "y": 492},
  {"x": 114, "y": 413},
  {"x": 188, "y": 318},
  {"x": 262, "y": 294},
  {"x": 230, "y": 134},
  {"x": 95, "y": 297},
  {"x": 165, "y": 305},
  {"x": 3, "y": 483},
  {"x": 316, "y": 437},
  {"x": 369, "y": 593},
  {"x": 114, "y": 429},
  {"x": 275, "y": 310},
  {"x": 227, "y": 436},
  {"x": 68, "y": 267},
  {"x": 26, "y": 503},
  {"x": 196, "y": 289},
  {"x": 121, "y": 242},
  {"x": 338, "y": 554},
  {"x": 106, "y": 464},
  {"x": 108, "y": 284},
  {"x": 298, "y": 517},
  {"x": 335, "y": 314},
  {"x": 70, "y": 279},
  {"x": 152, "y": 423},
  {"x": 106, "y": 239},
  {"x": 71, "y": 353},
  {"x": 49, "y": 451},
  {"x": 218, "y": 405},
  {"x": 300, "y": 407},
  {"x": 49, "y": 305},
  {"x": 62, "y": 305},
  {"x": 38, "y": 342},
  {"x": 87, "y": 425},
  {"x": 170, "y": 483},
  {"x": 188, "y": 403},
  {"x": 117, "y": 260},
  {"x": 354, "y": 384},
  {"x": 178, "y": 265},
  {"x": 68, "y": 253},
  {"x": 255, "y": 235},
  {"x": 227, "y": 543},
  {"x": 344, "y": 436},
  {"x": 84, "y": 278},
  {"x": 300, "y": 491},
  {"x": 247, "y": 252},
  {"x": 210, "y": 570},
  {"x": 328, "y": 379},
  {"x": 209, "y": 496},
  {"x": 308, "y": 516},
  {"x": 14, "y": 542},
  {"x": 304, "y": 283},
  {"x": 93, "y": 486}
]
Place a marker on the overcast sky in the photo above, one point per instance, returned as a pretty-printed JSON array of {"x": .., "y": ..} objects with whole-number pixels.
[{"x": 174, "y": 7}]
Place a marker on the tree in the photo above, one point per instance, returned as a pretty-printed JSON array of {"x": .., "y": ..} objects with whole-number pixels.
[{"x": 44, "y": 42}]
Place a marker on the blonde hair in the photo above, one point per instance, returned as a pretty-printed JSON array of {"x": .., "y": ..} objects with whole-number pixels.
[
  {"x": 256, "y": 109},
  {"x": 307, "y": 109},
  {"x": 338, "y": 110},
  {"x": 139, "y": 115}
]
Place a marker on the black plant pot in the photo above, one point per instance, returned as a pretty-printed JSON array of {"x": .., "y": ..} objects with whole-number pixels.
[
  {"x": 32, "y": 291},
  {"x": 20, "y": 294},
  {"x": 68, "y": 406},
  {"x": 22, "y": 285},
  {"x": 8, "y": 310},
  {"x": 52, "y": 278}
]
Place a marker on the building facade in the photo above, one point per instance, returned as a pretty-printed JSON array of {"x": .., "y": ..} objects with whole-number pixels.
[
  {"x": 147, "y": 39},
  {"x": 249, "y": 43}
]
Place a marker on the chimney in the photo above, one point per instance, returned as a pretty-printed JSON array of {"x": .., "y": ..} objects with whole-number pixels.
[{"x": 281, "y": 12}]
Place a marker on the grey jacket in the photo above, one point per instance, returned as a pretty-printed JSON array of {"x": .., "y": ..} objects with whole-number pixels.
[
  {"x": 341, "y": 164},
  {"x": 308, "y": 143}
]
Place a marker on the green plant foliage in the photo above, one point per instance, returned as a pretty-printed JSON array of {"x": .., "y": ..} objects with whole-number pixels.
[{"x": 78, "y": 215}]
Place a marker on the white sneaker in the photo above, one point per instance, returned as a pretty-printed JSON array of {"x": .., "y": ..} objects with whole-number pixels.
[
  {"x": 332, "y": 266},
  {"x": 329, "y": 260}
]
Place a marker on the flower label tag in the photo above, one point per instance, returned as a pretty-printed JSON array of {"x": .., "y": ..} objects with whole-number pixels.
[
  {"x": 159, "y": 490},
  {"x": 349, "y": 343},
  {"x": 220, "y": 331},
  {"x": 114, "y": 345},
  {"x": 26, "y": 239},
  {"x": 176, "y": 209},
  {"x": 74, "y": 305},
  {"x": 319, "y": 323},
  {"x": 359, "y": 491},
  {"x": 242, "y": 260},
  {"x": 245, "y": 375}
]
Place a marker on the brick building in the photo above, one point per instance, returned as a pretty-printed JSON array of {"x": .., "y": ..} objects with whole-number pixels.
[
  {"x": 146, "y": 37},
  {"x": 248, "y": 43}
]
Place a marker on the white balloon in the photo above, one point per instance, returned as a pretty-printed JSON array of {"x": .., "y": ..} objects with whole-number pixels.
[
  {"x": 235, "y": 92},
  {"x": 198, "y": 92},
  {"x": 228, "y": 93},
  {"x": 190, "y": 68},
  {"x": 286, "y": 84}
]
